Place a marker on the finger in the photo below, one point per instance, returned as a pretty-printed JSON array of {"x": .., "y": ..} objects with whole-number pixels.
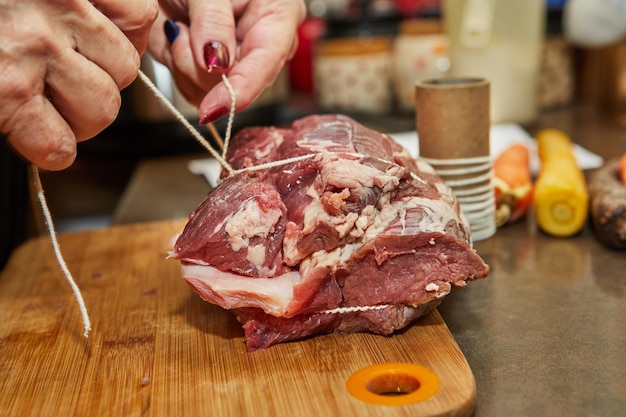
[
  {"x": 191, "y": 80},
  {"x": 212, "y": 33},
  {"x": 248, "y": 79},
  {"x": 158, "y": 44},
  {"x": 271, "y": 25},
  {"x": 39, "y": 133},
  {"x": 103, "y": 43},
  {"x": 87, "y": 97},
  {"x": 217, "y": 101},
  {"x": 264, "y": 50},
  {"x": 133, "y": 17}
]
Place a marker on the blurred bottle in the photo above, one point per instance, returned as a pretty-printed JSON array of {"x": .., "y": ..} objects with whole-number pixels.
[{"x": 500, "y": 40}]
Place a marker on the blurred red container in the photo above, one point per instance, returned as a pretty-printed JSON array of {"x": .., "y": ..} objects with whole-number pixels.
[{"x": 301, "y": 65}]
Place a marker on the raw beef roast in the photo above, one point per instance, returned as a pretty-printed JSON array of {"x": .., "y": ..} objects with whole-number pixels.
[{"x": 356, "y": 237}]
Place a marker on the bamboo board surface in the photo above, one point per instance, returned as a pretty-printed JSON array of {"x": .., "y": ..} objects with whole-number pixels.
[{"x": 157, "y": 349}]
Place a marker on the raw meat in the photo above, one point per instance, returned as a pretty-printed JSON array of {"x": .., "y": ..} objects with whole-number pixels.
[{"x": 355, "y": 236}]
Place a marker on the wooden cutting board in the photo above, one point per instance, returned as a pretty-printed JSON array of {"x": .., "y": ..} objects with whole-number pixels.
[{"x": 156, "y": 349}]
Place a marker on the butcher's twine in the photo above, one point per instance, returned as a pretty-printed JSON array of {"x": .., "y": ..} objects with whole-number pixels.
[
  {"x": 344, "y": 310},
  {"x": 192, "y": 130},
  {"x": 57, "y": 250},
  {"x": 46, "y": 211}
]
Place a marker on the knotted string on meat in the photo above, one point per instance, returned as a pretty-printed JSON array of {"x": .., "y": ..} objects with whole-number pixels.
[{"x": 359, "y": 237}]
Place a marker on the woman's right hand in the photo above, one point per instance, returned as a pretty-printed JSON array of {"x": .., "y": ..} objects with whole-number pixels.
[
  {"x": 62, "y": 65},
  {"x": 248, "y": 40}
]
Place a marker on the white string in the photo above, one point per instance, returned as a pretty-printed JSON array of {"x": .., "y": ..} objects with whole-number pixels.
[
  {"x": 418, "y": 178},
  {"x": 57, "y": 251},
  {"x": 48, "y": 217},
  {"x": 183, "y": 120},
  {"x": 179, "y": 116},
  {"x": 344, "y": 310},
  {"x": 286, "y": 161},
  {"x": 275, "y": 164},
  {"x": 231, "y": 116}
]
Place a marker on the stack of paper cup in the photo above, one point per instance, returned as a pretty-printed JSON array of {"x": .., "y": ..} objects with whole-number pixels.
[{"x": 453, "y": 123}]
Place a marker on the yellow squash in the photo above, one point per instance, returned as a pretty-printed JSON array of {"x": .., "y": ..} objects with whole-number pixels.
[{"x": 561, "y": 199}]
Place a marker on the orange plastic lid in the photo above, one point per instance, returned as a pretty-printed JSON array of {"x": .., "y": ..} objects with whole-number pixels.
[{"x": 393, "y": 384}]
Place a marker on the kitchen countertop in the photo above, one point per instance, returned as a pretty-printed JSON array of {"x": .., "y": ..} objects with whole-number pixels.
[{"x": 545, "y": 333}]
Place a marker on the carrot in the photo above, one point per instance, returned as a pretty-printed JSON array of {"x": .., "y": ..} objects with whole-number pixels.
[
  {"x": 512, "y": 184},
  {"x": 622, "y": 169},
  {"x": 561, "y": 199}
]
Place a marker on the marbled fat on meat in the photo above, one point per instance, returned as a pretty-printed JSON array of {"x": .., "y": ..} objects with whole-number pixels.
[{"x": 296, "y": 250}]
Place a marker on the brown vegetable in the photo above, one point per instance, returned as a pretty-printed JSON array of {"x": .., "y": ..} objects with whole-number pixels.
[{"x": 608, "y": 205}]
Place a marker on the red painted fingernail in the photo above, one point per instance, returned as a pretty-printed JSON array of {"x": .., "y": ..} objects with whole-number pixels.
[
  {"x": 214, "y": 114},
  {"x": 216, "y": 56}
]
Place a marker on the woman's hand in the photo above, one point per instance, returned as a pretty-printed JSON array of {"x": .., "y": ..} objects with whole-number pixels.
[
  {"x": 62, "y": 65},
  {"x": 249, "y": 40}
]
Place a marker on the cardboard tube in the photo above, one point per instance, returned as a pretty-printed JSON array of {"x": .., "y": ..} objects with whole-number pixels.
[{"x": 453, "y": 118}]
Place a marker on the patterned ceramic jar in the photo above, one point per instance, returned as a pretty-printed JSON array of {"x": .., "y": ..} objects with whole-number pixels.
[
  {"x": 354, "y": 74},
  {"x": 419, "y": 53}
]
